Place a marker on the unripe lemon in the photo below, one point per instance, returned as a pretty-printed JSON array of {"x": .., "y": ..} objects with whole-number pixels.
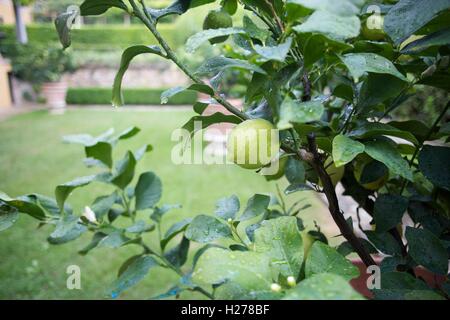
[
  {"x": 217, "y": 19},
  {"x": 281, "y": 167},
  {"x": 275, "y": 287},
  {"x": 253, "y": 143},
  {"x": 375, "y": 171},
  {"x": 291, "y": 281},
  {"x": 373, "y": 28}
]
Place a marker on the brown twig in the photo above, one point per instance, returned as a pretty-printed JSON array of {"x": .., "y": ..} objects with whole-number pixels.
[
  {"x": 333, "y": 203},
  {"x": 306, "y": 87}
]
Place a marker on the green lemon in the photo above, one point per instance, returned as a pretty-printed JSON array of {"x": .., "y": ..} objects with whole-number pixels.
[
  {"x": 281, "y": 167},
  {"x": 217, "y": 19},
  {"x": 370, "y": 174},
  {"x": 253, "y": 144},
  {"x": 373, "y": 29}
]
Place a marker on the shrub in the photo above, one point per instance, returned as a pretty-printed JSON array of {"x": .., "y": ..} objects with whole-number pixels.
[
  {"x": 139, "y": 96},
  {"x": 331, "y": 94},
  {"x": 100, "y": 37}
]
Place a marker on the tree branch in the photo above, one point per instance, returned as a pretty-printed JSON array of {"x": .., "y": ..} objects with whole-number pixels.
[
  {"x": 151, "y": 25},
  {"x": 333, "y": 203}
]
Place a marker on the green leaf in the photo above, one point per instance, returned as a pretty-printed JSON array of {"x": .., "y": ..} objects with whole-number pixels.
[
  {"x": 439, "y": 38},
  {"x": 384, "y": 242},
  {"x": 293, "y": 111},
  {"x": 67, "y": 229},
  {"x": 296, "y": 187},
  {"x": 256, "y": 206},
  {"x": 177, "y": 256},
  {"x": 63, "y": 191},
  {"x": 276, "y": 53},
  {"x": 124, "y": 171},
  {"x": 25, "y": 204},
  {"x": 177, "y": 7},
  {"x": 280, "y": 240},
  {"x": 334, "y": 27},
  {"x": 96, "y": 238},
  {"x": 361, "y": 63},
  {"x": 8, "y": 216},
  {"x": 324, "y": 259},
  {"x": 127, "y": 134},
  {"x": 175, "y": 229},
  {"x": 98, "y": 7},
  {"x": 254, "y": 31},
  {"x": 218, "y": 64},
  {"x": 408, "y": 16},
  {"x": 433, "y": 162},
  {"x": 325, "y": 286},
  {"x": 114, "y": 240},
  {"x": 374, "y": 129},
  {"x": 148, "y": 191},
  {"x": 250, "y": 270},
  {"x": 403, "y": 286},
  {"x": 388, "y": 211},
  {"x": 139, "y": 154},
  {"x": 140, "y": 227},
  {"x": 294, "y": 171},
  {"x": 158, "y": 213},
  {"x": 377, "y": 89},
  {"x": 203, "y": 88},
  {"x": 427, "y": 250},
  {"x": 345, "y": 149},
  {"x": 101, "y": 151},
  {"x": 200, "y": 107},
  {"x": 197, "y": 123},
  {"x": 102, "y": 205},
  {"x": 127, "y": 56},
  {"x": 384, "y": 152},
  {"x": 63, "y": 24},
  {"x": 419, "y": 129},
  {"x": 134, "y": 273},
  {"x": 227, "y": 208},
  {"x": 195, "y": 41},
  {"x": 206, "y": 229},
  {"x": 339, "y": 7}
]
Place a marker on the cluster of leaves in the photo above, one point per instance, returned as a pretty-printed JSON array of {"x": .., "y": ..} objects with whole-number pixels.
[
  {"x": 271, "y": 251},
  {"x": 37, "y": 63},
  {"x": 331, "y": 92}
]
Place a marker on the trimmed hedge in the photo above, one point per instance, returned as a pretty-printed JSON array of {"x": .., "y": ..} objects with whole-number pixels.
[
  {"x": 141, "y": 96},
  {"x": 100, "y": 37}
]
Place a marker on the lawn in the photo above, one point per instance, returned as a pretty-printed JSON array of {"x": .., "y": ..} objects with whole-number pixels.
[{"x": 33, "y": 159}]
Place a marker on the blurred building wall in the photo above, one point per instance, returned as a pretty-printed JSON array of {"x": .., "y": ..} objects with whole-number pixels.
[
  {"x": 7, "y": 13},
  {"x": 5, "y": 94}
]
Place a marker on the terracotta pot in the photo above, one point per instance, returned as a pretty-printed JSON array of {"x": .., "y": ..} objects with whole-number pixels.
[
  {"x": 55, "y": 94},
  {"x": 360, "y": 283}
]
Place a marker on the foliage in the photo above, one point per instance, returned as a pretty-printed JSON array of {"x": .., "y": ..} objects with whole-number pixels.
[
  {"x": 38, "y": 63},
  {"x": 135, "y": 96},
  {"x": 93, "y": 37},
  {"x": 331, "y": 93}
]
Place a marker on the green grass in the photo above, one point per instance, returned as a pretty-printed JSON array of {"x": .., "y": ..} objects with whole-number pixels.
[{"x": 33, "y": 159}]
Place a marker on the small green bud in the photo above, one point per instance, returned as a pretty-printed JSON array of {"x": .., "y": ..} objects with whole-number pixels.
[
  {"x": 291, "y": 281},
  {"x": 275, "y": 287}
]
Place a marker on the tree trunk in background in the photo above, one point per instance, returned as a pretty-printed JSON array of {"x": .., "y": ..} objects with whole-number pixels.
[{"x": 21, "y": 31}]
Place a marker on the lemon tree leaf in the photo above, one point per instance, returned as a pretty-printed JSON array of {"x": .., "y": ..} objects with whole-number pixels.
[
  {"x": 345, "y": 149},
  {"x": 280, "y": 240}
]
